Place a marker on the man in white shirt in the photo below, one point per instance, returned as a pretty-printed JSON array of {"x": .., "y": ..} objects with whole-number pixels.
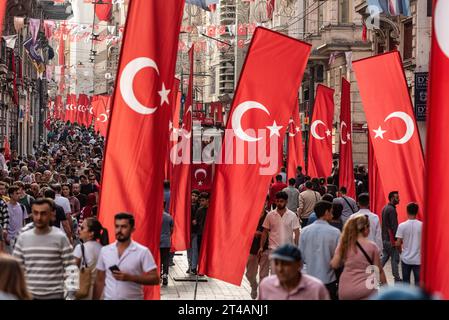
[
  {"x": 280, "y": 225},
  {"x": 409, "y": 242},
  {"x": 125, "y": 266},
  {"x": 375, "y": 230}
]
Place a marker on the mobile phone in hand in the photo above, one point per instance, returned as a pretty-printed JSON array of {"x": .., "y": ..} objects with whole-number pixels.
[{"x": 114, "y": 268}]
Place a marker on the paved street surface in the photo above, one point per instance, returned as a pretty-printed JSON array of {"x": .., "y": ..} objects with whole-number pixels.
[{"x": 212, "y": 289}]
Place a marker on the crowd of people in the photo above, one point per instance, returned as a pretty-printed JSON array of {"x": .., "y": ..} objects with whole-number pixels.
[{"x": 313, "y": 241}]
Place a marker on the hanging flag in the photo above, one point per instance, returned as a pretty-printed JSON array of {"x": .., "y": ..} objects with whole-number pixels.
[
  {"x": 70, "y": 108},
  {"x": 101, "y": 108},
  {"x": 19, "y": 23},
  {"x": 435, "y": 244},
  {"x": 58, "y": 108},
  {"x": 239, "y": 188},
  {"x": 7, "y": 149},
  {"x": 201, "y": 177},
  {"x": 49, "y": 27},
  {"x": 270, "y": 8},
  {"x": 103, "y": 10},
  {"x": 319, "y": 163},
  {"x": 180, "y": 193},
  {"x": 137, "y": 138},
  {"x": 173, "y": 126},
  {"x": 10, "y": 41},
  {"x": 82, "y": 110},
  {"x": 34, "y": 25},
  {"x": 392, "y": 127},
  {"x": 346, "y": 166},
  {"x": 295, "y": 156}
]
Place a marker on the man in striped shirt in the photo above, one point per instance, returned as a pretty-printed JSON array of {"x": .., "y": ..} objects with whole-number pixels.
[{"x": 45, "y": 253}]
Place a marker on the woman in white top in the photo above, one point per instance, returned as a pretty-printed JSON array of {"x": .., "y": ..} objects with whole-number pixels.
[{"x": 94, "y": 237}]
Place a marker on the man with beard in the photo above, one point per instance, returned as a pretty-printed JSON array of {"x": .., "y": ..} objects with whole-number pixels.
[
  {"x": 279, "y": 226},
  {"x": 82, "y": 198},
  {"x": 125, "y": 266}
]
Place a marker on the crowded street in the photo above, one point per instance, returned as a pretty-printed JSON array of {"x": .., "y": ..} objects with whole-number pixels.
[{"x": 244, "y": 150}]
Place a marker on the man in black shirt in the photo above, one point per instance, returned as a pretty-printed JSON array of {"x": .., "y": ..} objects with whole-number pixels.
[
  {"x": 192, "y": 252},
  {"x": 389, "y": 228},
  {"x": 200, "y": 219}
]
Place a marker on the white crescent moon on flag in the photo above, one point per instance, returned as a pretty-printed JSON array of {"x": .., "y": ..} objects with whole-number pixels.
[
  {"x": 104, "y": 119},
  {"x": 289, "y": 131},
  {"x": 236, "y": 121},
  {"x": 127, "y": 80},
  {"x": 313, "y": 129},
  {"x": 410, "y": 125},
  {"x": 200, "y": 170},
  {"x": 341, "y": 132},
  {"x": 90, "y": 110},
  {"x": 441, "y": 24}
]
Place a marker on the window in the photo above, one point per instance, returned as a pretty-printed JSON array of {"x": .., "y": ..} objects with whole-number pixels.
[
  {"x": 429, "y": 8},
  {"x": 408, "y": 40},
  {"x": 343, "y": 11}
]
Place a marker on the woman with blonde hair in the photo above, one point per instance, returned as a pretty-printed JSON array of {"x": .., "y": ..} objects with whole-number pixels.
[
  {"x": 362, "y": 271},
  {"x": 12, "y": 279}
]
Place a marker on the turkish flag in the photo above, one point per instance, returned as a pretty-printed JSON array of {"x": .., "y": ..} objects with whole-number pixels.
[
  {"x": 264, "y": 99},
  {"x": 70, "y": 108},
  {"x": 435, "y": 244},
  {"x": 295, "y": 156},
  {"x": 180, "y": 188},
  {"x": 58, "y": 108},
  {"x": 392, "y": 127},
  {"x": 346, "y": 167},
  {"x": 319, "y": 162},
  {"x": 2, "y": 14},
  {"x": 82, "y": 109},
  {"x": 173, "y": 126},
  {"x": 202, "y": 176},
  {"x": 7, "y": 148},
  {"x": 103, "y": 11},
  {"x": 137, "y": 138},
  {"x": 101, "y": 109}
]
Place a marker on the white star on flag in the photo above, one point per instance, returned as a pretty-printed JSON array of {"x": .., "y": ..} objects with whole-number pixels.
[
  {"x": 328, "y": 132},
  {"x": 348, "y": 136},
  {"x": 274, "y": 129},
  {"x": 298, "y": 129},
  {"x": 379, "y": 133},
  {"x": 164, "y": 94}
]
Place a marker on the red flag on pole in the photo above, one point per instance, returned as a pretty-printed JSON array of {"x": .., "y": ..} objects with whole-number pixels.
[
  {"x": 2, "y": 14},
  {"x": 392, "y": 127},
  {"x": 346, "y": 167},
  {"x": 202, "y": 176},
  {"x": 101, "y": 108},
  {"x": 319, "y": 162},
  {"x": 7, "y": 148},
  {"x": 264, "y": 99},
  {"x": 173, "y": 127},
  {"x": 295, "y": 156},
  {"x": 180, "y": 193},
  {"x": 435, "y": 244},
  {"x": 83, "y": 103},
  {"x": 137, "y": 138},
  {"x": 70, "y": 108}
]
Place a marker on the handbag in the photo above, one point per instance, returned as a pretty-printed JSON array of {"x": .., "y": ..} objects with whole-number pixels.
[{"x": 85, "y": 277}]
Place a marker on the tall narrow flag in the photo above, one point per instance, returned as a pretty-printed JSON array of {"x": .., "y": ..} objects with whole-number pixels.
[
  {"x": 137, "y": 138},
  {"x": 435, "y": 244},
  {"x": 2, "y": 14},
  {"x": 346, "y": 167},
  {"x": 319, "y": 163},
  {"x": 392, "y": 127},
  {"x": 295, "y": 156},
  {"x": 376, "y": 190},
  {"x": 264, "y": 99},
  {"x": 180, "y": 197}
]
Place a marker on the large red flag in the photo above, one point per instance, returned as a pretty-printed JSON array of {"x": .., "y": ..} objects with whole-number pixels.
[
  {"x": 82, "y": 109},
  {"x": 173, "y": 127},
  {"x": 319, "y": 162},
  {"x": 435, "y": 244},
  {"x": 392, "y": 127},
  {"x": 7, "y": 148},
  {"x": 2, "y": 14},
  {"x": 70, "y": 108},
  {"x": 295, "y": 156},
  {"x": 180, "y": 193},
  {"x": 346, "y": 167},
  {"x": 137, "y": 138},
  {"x": 58, "y": 108},
  {"x": 264, "y": 99},
  {"x": 101, "y": 108}
]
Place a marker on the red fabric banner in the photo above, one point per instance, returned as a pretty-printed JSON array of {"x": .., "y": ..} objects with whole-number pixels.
[
  {"x": 201, "y": 176},
  {"x": 103, "y": 11},
  {"x": 82, "y": 109},
  {"x": 435, "y": 244},
  {"x": 2, "y": 14},
  {"x": 392, "y": 127},
  {"x": 173, "y": 126},
  {"x": 137, "y": 138},
  {"x": 180, "y": 188},
  {"x": 264, "y": 99},
  {"x": 319, "y": 164},
  {"x": 7, "y": 148},
  {"x": 58, "y": 109},
  {"x": 70, "y": 108},
  {"x": 295, "y": 155},
  {"x": 101, "y": 108},
  {"x": 346, "y": 167}
]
